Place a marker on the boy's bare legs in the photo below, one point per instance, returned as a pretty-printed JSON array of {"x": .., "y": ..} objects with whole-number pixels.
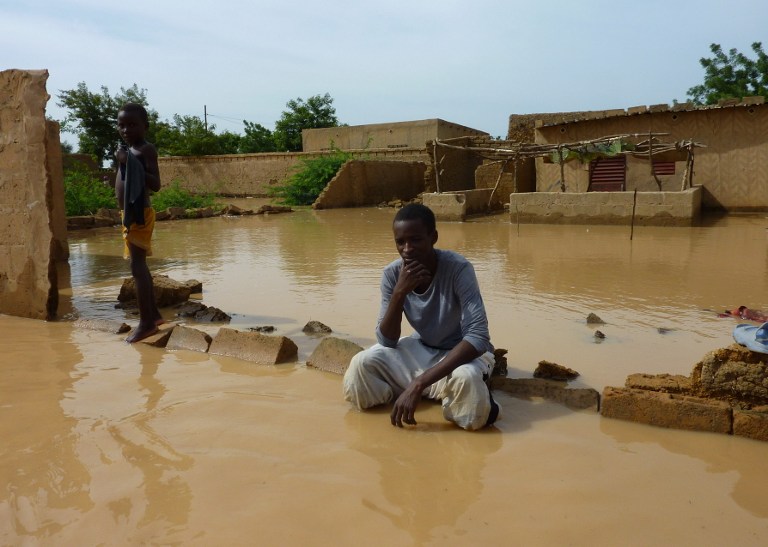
[{"x": 149, "y": 315}]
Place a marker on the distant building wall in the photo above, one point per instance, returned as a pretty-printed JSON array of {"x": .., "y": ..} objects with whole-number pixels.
[
  {"x": 733, "y": 168},
  {"x": 414, "y": 134},
  {"x": 359, "y": 183},
  {"x": 28, "y": 280},
  {"x": 252, "y": 174}
]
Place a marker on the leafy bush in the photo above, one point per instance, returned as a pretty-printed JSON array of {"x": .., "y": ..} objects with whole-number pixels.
[
  {"x": 173, "y": 195},
  {"x": 311, "y": 178},
  {"x": 84, "y": 193}
]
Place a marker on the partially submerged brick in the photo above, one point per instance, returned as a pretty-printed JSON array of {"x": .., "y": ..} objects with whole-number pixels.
[
  {"x": 751, "y": 423},
  {"x": 333, "y": 355},
  {"x": 103, "y": 325},
  {"x": 554, "y": 371},
  {"x": 253, "y": 346},
  {"x": 160, "y": 339},
  {"x": 666, "y": 410},
  {"x": 189, "y": 338},
  {"x": 667, "y": 383},
  {"x": 575, "y": 398}
]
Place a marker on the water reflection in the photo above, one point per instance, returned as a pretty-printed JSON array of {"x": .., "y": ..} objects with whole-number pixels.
[
  {"x": 722, "y": 454},
  {"x": 429, "y": 481},
  {"x": 44, "y": 485}
]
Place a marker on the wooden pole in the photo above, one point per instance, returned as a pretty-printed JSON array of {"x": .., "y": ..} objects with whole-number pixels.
[
  {"x": 498, "y": 181},
  {"x": 632, "y": 225},
  {"x": 562, "y": 169},
  {"x": 437, "y": 167}
]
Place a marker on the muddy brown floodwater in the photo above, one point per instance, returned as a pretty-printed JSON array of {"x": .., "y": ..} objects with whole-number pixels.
[{"x": 107, "y": 443}]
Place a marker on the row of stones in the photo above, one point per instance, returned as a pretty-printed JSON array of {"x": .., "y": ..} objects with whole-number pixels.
[{"x": 333, "y": 355}]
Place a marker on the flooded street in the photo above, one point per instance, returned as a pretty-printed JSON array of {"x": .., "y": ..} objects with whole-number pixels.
[{"x": 116, "y": 444}]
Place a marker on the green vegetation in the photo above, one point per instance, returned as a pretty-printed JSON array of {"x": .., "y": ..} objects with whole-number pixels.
[
  {"x": 93, "y": 118},
  {"x": 84, "y": 194},
  {"x": 731, "y": 76},
  {"x": 173, "y": 195},
  {"x": 311, "y": 177},
  {"x": 316, "y": 112}
]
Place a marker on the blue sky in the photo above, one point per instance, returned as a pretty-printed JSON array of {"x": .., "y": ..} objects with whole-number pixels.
[{"x": 472, "y": 63}]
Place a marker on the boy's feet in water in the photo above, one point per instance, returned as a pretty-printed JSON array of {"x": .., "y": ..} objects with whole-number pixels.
[{"x": 140, "y": 333}]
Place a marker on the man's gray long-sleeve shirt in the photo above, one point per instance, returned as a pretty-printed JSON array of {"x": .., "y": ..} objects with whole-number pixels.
[{"x": 449, "y": 311}]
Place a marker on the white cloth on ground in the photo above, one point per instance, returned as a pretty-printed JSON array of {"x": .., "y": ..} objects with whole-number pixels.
[{"x": 379, "y": 374}]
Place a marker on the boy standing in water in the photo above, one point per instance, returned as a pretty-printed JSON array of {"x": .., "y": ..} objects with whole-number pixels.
[{"x": 138, "y": 174}]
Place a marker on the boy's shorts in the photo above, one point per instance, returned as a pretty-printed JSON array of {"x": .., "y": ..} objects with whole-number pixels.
[{"x": 140, "y": 235}]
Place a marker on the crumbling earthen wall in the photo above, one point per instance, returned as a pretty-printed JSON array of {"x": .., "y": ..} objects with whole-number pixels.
[
  {"x": 28, "y": 285},
  {"x": 487, "y": 176},
  {"x": 252, "y": 174},
  {"x": 359, "y": 183}
]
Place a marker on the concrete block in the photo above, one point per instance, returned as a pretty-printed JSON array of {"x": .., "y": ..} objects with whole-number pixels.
[
  {"x": 103, "y": 325},
  {"x": 189, "y": 338},
  {"x": 751, "y": 423},
  {"x": 642, "y": 109},
  {"x": 333, "y": 355},
  {"x": 559, "y": 392},
  {"x": 666, "y": 410},
  {"x": 253, "y": 346},
  {"x": 655, "y": 108}
]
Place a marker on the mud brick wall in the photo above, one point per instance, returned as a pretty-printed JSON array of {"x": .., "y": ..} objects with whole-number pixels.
[
  {"x": 487, "y": 175},
  {"x": 651, "y": 208},
  {"x": 360, "y": 183},
  {"x": 253, "y": 174},
  {"x": 733, "y": 168},
  {"x": 28, "y": 173}
]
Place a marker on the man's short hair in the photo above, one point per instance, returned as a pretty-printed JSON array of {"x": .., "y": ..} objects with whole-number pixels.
[
  {"x": 417, "y": 211},
  {"x": 136, "y": 108}
]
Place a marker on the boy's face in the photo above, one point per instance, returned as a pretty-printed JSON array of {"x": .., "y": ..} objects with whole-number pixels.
[
  {"x": 414, "y": 241},
  {"x": 131, "y": 127}
]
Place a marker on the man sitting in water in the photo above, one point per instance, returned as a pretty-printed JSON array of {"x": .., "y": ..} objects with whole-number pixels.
[{"x": 449, "y": 357}]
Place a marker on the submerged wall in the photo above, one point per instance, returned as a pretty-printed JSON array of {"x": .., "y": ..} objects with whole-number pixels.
[
  {"x": 651, "y": 208},
  {"x": 28, "y": 174}
]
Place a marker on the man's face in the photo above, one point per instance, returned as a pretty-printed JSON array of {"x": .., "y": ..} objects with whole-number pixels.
[
  {"x": 414, "y": 241},
  {"x": 131, "y": 127}
]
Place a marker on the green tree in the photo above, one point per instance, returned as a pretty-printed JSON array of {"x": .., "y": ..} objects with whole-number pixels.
[
  {"x": 731, "y": 76},
  {"x": 315, "y": 112},
  {"x": 186, "y": 136},
  {"x": 93, "y": 117},
  {"x": 257, "y": 138}
]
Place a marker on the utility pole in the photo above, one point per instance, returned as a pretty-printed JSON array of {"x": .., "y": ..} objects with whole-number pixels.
[{"x": 205, "y": 116}]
